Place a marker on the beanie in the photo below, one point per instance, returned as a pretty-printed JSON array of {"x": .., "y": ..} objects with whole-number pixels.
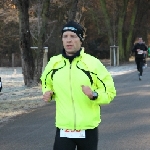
[{"x": 76, "y": 28}]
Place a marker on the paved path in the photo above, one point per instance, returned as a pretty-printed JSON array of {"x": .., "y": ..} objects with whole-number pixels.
[{"x": 125, "y": 122}]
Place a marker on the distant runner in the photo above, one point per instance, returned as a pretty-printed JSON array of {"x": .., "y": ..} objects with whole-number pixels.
[{"x": 140, "y": 50}]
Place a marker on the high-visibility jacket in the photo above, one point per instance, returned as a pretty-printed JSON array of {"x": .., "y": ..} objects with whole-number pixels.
[{"x": 74, "y": 110}]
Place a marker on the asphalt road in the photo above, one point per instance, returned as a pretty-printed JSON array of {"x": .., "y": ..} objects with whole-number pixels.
[{"x": 125, "y": 122}]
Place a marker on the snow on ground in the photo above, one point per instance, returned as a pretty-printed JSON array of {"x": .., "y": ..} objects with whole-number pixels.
[
  {"x": 119, "y": 70},
  {"x": 17, "y": 99}
]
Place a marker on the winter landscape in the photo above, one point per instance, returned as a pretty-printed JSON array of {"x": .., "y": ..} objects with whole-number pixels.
[{"x": 16, "y": 99}]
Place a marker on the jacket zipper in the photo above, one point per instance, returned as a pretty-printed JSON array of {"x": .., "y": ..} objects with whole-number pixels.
[{"x": 72, "y": 99}]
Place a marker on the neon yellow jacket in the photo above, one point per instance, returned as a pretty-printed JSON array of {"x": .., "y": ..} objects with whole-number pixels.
[{"x": 74, "y": 110}]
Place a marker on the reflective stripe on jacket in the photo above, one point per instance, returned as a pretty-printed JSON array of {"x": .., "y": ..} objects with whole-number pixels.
[{"x": 74, "y": 110}]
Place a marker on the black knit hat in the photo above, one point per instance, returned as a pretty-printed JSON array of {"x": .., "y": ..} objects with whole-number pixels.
[{"x": 76, "y": 28}]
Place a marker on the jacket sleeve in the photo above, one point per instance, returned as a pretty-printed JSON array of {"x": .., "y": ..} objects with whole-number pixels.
[
  {"x": 134, "y": 48},
  {"x": 46, "y": 77},
  {"x": 105, "y": 85}
]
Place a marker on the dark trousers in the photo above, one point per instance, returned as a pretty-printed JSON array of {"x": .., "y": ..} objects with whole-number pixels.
[
  {"x": 88, "y": 143},
  {"x": 139, "y": 63}
]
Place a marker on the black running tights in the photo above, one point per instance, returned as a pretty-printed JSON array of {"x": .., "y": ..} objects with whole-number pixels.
[{"x": 139, "y": 63}]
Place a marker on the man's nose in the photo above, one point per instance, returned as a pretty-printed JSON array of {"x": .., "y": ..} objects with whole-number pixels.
[{"x": 69, "y": 39}]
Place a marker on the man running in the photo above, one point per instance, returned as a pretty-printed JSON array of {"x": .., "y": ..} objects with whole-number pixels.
[
  {"x": 79, "y": 83},
  {"x": 140, "y": 50}
]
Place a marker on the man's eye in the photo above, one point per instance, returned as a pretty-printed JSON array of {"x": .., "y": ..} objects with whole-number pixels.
[
  {"x": 73, "y": 36},
  {"x": 65, "y": 36}
]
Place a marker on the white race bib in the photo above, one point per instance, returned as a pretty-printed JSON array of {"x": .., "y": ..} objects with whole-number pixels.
[
  {"x": 72, "y": 133},
  {"x": 140, "y": 52}
]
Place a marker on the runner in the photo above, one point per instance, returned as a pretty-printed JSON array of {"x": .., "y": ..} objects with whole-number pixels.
[
  {"x": 140, "y": 50},
  {"x": 79, "y": 83}
]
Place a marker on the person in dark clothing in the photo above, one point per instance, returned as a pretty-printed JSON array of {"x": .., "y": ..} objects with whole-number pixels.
[
  {"x": 0, "y": 85},
  {"x": 140, "y": 50}
]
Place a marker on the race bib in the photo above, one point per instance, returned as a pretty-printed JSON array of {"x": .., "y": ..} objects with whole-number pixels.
[
  {"x": 72, "y": 133},
  {"x": 140, "y": 52}
]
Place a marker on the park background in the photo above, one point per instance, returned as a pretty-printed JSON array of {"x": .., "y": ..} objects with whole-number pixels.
[{"x": 38, "y": 23}]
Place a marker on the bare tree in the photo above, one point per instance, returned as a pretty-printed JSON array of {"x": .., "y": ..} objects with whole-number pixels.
[
  {"x": 32, "y": 61},
  {"x": 41, "y": 38},
  {"x": 25, "y": 42}
]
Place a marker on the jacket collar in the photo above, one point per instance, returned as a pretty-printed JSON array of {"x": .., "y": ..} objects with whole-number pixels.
[{"x": 77, "y": 54}]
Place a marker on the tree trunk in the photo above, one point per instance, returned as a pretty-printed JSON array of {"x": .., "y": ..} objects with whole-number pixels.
[
  {"x": 120, "y": 38},
  {"x": 41, "y": 40},
  {"x": 131, "y": 30},
  {"x": 107, "y": 21},
  {"x": 26, "y": 53},
  {"x": 73, "y": 10}
]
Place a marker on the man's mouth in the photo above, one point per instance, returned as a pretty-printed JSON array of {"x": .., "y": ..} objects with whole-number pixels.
[{"x": 69, "y": 46}]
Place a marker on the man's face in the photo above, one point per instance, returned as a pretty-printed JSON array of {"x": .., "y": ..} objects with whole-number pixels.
[
  {"x": 71, "y": 42},
  {"x": 140, "y": 40}
]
